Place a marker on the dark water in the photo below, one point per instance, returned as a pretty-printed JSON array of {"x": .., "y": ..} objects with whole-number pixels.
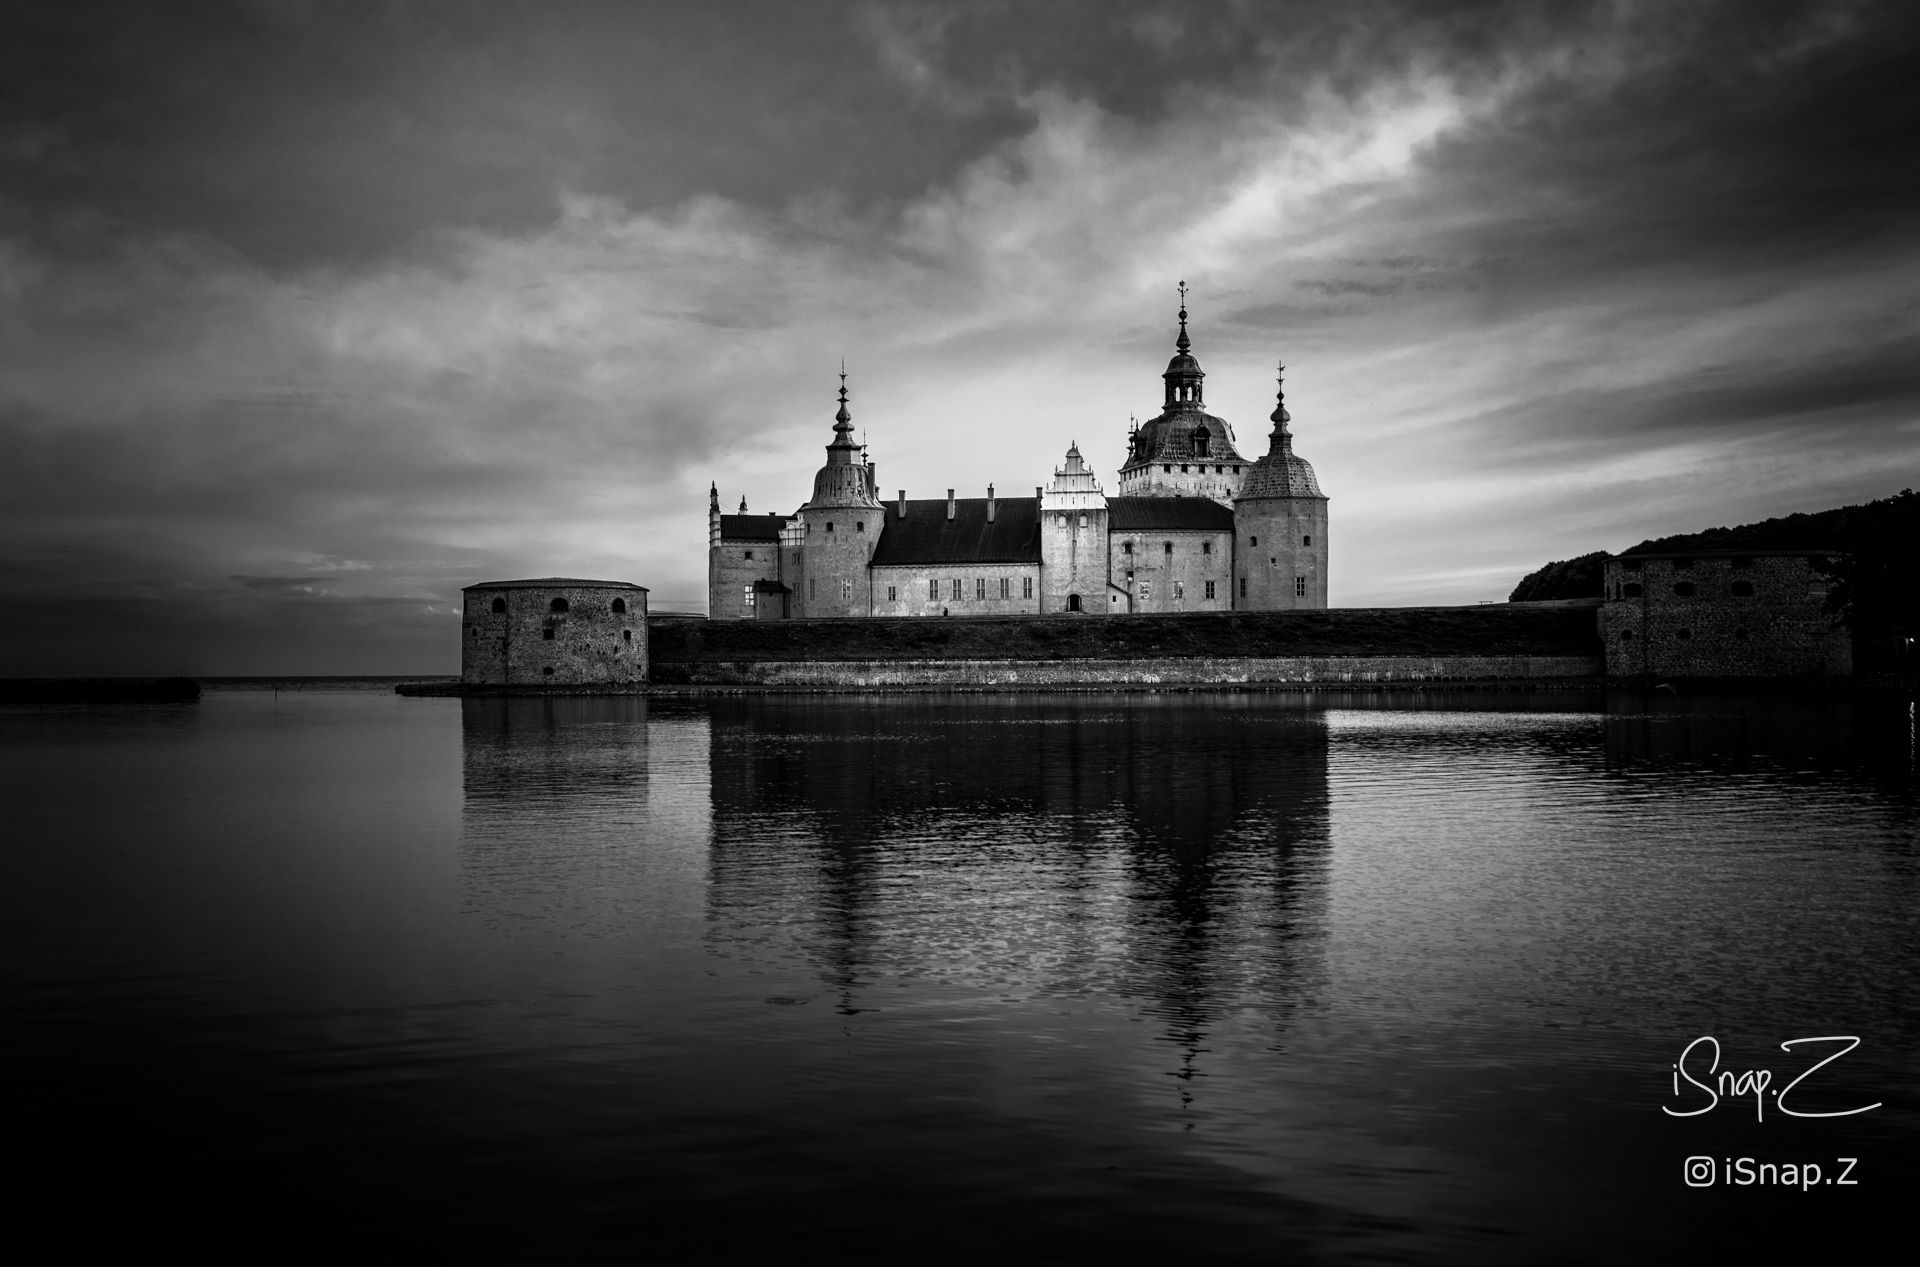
[{"x": 1328, "y": 977}]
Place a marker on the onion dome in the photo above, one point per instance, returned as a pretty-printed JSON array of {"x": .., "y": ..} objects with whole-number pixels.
[
  {"x": 845, "y": 480},
  {"x": 1281, "y": 473}
]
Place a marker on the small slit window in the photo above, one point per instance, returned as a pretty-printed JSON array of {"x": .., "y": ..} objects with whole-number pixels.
[
  {"x": 626, "y": 635},
  {"x": 829, "y": 525},
  {"x": 547, "y": 633},
  {"x": 749, "y": 554},
  {"x": 547, "y": 672},
  {"x": 1169, "y": 548},
  {"x": 1307, "y": 540}
]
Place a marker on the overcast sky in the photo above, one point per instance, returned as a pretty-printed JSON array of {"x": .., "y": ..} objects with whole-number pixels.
[{"x": 313, "y": 313}]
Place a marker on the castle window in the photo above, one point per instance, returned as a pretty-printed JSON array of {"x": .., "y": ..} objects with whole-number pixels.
[
  {"x": 1219, "y": 470},
  {"x": 1183, "y": 468},
  {"x": 1740, "y": 563},
  {"x": 499, "y": 606},
  {"x": 813, "y": 590},
  {"x": 933, "y": 591},
  {"x": 619, "y": 604},
  {"x": 1626, "y": 635},
  {"x": 846, "y": 591},
  {"x": 1631, "y": 589},
  {"x": 1236, "y": 470},
  {"x": 1299, "y": 587},
  {"x": 956, "y": 589},
  {"x": 1742, "y": 589},
  {"x": 1307, "y": 540},
  {"x": 547, "y": 672},
  {"x": 980, "y": 587},
  {"x": 1169, "y": 548},
  {"x": 1166, "y": 469},
  {"x": 1683, "y": 588},
  {"x": 1179, "y": 589},
  {"x": 558, "y": 605},
  {"x": 746, "y": 597},
  {"x": 829, "y": 525},
  {"x": 1253, "y": 541},
  {"x": 1083, "y": 521},
  {"x": 1026, "y": 587},
  {"x": 1126, "y": 547},
  {"x": 892, "y": 594},
  {"x": 626, "y": 635},
  {"x": 1243, "y": 587},
  {"x": 1005, "y": 584},
  {"x": 859, "y": 525},
  {"x": 1146, "y": 590},
  {"x": 1209, "y": 589},
  {"x": 1682, "y": 635},
  {"x": 1129, "y": 574},
  {"x": 547, "y": 633},
  {"x": 1206, "y": 547},
  {"x": 476, "y": 633},
  {"x": 1201, "y": 439},
  {"x": 749, "y": 554}
]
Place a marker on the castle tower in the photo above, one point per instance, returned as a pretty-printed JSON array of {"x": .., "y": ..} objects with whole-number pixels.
[
  {"x": 1073, "y": 541},
  {"x": 1185, "y": 451},
  {"x": 1280, "y": 526},
  {"x": 837, "y": 528}
]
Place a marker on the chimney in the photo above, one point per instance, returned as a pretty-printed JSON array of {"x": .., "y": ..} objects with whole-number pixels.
[
  {"x": 989, "y": 503},
  {"x": 903, "y": 503},
  {"x": 949, "y": 505},
  {"x": 1037, "y": 493}
]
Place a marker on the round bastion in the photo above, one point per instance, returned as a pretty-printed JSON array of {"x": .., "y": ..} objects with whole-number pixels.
[{"x": 554, "y": 632}]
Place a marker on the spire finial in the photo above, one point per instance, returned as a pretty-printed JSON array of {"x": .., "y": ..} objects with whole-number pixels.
[
  {"x": 1182, "y": 342},
  {"x": 842, "y": 420},
  {"x": 1280, "y": 415}
]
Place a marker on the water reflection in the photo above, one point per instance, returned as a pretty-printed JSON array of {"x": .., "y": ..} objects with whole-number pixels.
[{"x": 1056, "y": 848}]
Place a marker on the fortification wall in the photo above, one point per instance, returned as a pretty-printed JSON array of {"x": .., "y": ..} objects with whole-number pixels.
[
  {"x": 1186, "y": 671},
  {"x": 534, "y": 633},
  {"x": 1721, "y": 615}
]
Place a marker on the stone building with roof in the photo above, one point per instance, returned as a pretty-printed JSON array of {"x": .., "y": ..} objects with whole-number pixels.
[{"x": 1194, "y": 526}]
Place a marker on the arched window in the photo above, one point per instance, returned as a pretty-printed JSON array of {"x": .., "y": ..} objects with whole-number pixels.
[
  {"x": 619, "y": 604},
  {"x": 558, "y": 605},
  {"x": 499, "y": 606},
  {"x": 1169, "y": 548},
  {"x": 1073, "y": 602},
  {"x": 1307, "y": 540},
  {"x": 1201, "y": 439}
]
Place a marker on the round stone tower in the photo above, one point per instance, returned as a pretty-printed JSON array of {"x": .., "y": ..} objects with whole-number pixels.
[
  {"x": 1185, "y": 451},
  {"x": 1280, "y": 527},
  {"x": 838, "y": 528}
]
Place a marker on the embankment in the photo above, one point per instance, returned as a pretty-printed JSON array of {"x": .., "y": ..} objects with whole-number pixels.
[{"x": 1418, "y": 644}]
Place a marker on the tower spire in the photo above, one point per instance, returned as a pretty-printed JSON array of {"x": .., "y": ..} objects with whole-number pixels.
[
  {"x": 1280, "y": 416},
  {"x": 842, "y": 420},
  {"x": 1183, "y": 343}
]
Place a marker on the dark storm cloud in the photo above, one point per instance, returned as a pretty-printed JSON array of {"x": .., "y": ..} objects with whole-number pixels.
[{"x": 311, "y": 313}]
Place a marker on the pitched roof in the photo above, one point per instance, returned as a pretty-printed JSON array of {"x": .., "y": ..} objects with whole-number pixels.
[
  {"x": 926, "y": 535},
  {"x": 1167, "y": 514},
  {"x": 751, "y": 527}
]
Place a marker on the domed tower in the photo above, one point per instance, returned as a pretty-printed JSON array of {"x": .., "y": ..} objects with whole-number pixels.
[
  {"x": 1186, "y": 451},
  {"x": 838, "y": 527},
  {"x": 1280, "y": 526}
]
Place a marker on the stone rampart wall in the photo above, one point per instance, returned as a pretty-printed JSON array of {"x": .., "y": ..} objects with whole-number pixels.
[{"x": 1195, "y": 671}]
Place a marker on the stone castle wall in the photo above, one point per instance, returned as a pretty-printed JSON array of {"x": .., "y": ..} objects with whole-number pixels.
[
  {"x": 1159, "y": 579},
  {"x": 513, "y": 634},
  {"x": 1282, "y": 542},
  {"x": 1172, "y": 672},
  {"x": 1721, "y": 615},
  {"x": 928, "y": 589}
]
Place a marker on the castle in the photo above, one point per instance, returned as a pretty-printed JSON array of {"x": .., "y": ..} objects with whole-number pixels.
[{"x": 1195, "y": 526}]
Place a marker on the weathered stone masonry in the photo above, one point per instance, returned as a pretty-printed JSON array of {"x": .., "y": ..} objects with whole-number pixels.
[
  {"x": 1722, "y": 614},
  {"x": 554, "y": 631}
]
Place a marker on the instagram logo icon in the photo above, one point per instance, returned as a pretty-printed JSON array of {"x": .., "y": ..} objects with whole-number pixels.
[{"x": 1698, "y": 1172}]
